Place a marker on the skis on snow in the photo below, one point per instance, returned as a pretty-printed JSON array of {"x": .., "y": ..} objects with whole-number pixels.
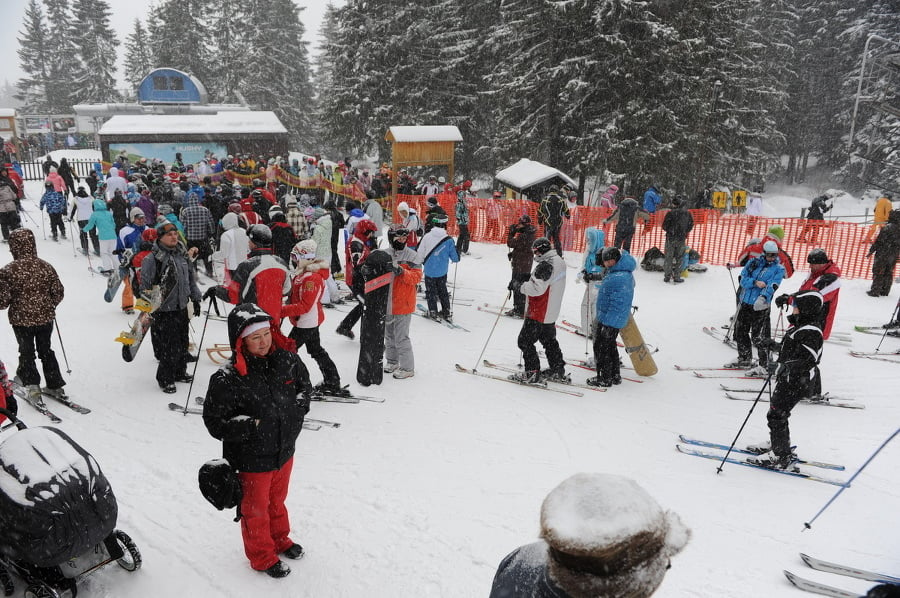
[
  {"x": 724, "y": 447},
  {"x": 824, "y": 400},
  {"x": 878, "y": 330},
  {"x": 516, "y": 370},
  {"x": 694, "y": 449},
  {"x": 826, "y": 590},
  {"x": 41, "y": 407},
  {"x": 421, "y": 310},
  {"x": 538, "y": 385},
  {"x": 888, "y": 357},
  {"x": 308, "y": 424}
]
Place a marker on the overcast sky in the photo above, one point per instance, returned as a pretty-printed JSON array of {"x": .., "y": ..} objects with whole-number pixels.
[{"x": 122, "y": 19}]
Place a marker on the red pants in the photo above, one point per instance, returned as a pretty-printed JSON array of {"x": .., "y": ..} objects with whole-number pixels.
[{"x": 264, "y": 518}]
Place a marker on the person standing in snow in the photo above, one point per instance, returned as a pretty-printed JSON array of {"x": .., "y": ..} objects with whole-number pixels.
[
  {"x": 233, "y": 244},
  {"x": 544, "y": 289},
  {"x": 602, "y": 536},
  {"x": 411, "y": 222},
  {"x": 592, "y": 271},
  {"x": 398, "y": 351},
  {"x": 625, "y": 216},
  {"x": 170, "y": 268},
  {"x": 55, "y": 202},
  {"x": 614, "y": 297},
  {"x": 30, "y": 288},
  {"x": 435, "y": 253},
  {"x": 9, "y": 204},
  {"x": 82, "y": 208},
  {"x": 551, "y": 212},
  {"x": 519, "y": 239},
  {"x": 754, "y": 209},
  {"x": 304, "y": 308},
  {"x": 102, "y": 225},
  {"x": 815, "y": 218},
  {"x": 361, "y": 244},
  {"x": 798, "y": 367},
  {"x": 462, "y": 218},
  {"x": 677, "y": 223},
  {"x": 886, "y": 250},
  {"x": 759, "y": 280},
  {"x": 256, "y": 405}
]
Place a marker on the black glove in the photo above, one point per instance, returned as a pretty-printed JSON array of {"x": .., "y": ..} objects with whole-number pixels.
[
  {"x": 210, "y": 293},
  {"x": 782, "y": 300},
  {"x": 514, "y": 285},
  {"x": 398, "y": 271},
  {"x": 196, "y": 308}
]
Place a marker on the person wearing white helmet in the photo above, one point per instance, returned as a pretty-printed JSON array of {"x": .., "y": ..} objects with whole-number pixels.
[{"x": 759, "y": 280}]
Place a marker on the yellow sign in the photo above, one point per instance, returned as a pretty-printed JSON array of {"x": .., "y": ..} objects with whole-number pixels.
[
  {"x": 719, "y": 200},
  {"x": 739, "y": 199}
]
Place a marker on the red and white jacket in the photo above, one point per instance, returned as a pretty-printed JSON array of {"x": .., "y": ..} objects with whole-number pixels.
[
  {"x": 304, "y": 306},
  {"x": 545, "y": 288},
  {"x": 828, "y": 283}
]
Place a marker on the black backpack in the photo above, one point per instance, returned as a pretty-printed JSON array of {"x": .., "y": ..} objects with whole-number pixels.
[{"x": 220, "y": 484}]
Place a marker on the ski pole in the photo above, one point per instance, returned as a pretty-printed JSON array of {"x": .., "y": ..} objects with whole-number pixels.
[
  {"x": 746, "y": 419},
  {"x": 808, "y": 524},
  {"x": 62, "y": 346},
  {"x": 43, "y": 229},
  {"x": 491, "y": 333},
  {"x": 453, "y": 294},
  {"x": 730, "y": 334},
  {"x": 187, "y": 401}
]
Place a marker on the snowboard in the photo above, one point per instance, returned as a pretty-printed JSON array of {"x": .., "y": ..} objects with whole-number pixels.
[
  {"x": 117, "y": 276},
  {"x": 637, "y": 350},
  {"x": 132, "y": 339},
  {"x": 377, "y": 272}
]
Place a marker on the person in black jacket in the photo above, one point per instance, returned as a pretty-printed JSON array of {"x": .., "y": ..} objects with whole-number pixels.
[
  {"x": 255, "y": 405},
  {"x": 677, "y": 223},
  {"x": 798, "y": 366},
  {"x": 551, "y": 212}
]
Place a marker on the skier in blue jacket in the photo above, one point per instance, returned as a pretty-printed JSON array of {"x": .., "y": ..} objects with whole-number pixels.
[
  {"x": 614, "y": 297},
  {"x": 591, "y": 272},
  {"x": 435, "y": 252},
  {"x": 55, "y": 202},
  {"x": 759, "y": 280}
]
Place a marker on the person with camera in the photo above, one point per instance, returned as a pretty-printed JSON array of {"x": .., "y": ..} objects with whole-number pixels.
[{"x": 519, "y": 238}]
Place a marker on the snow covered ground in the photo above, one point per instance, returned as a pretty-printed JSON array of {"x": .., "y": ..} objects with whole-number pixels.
[{"x": 423, "y": 495}]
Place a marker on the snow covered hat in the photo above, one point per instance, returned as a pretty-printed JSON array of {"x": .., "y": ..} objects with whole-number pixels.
[{"x": 608, "y": 537}]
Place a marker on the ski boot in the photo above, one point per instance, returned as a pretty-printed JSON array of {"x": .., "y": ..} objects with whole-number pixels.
[
  {"x": 598, "y": 381},
  {"x": 447, "y": 316},
  {"x": 532, "y": 377},
  {"x": 557, "y": 375},
  {"x": 772, "y": 461},
  {"x": 433, "y": 315},
  {"x": 57, "y": 393},
  {"x": 739, "y": 364},
  {"x": 760, "y": 447},
  {"x": 346, "y": 332},
  {"x": 332, "y": 390}
]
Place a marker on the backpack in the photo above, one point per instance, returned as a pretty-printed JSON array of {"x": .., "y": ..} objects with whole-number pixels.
[
  {"x": 653, "y": 260},
  {"x": 219, "y": 484}
]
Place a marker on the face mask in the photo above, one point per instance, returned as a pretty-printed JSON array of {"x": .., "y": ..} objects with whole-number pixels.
[
  {"x": 398, "y": 244},
  {"x": 792, "y": 319}
]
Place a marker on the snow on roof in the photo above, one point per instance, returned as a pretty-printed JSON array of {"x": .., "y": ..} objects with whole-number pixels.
[
  {"x": 7, "y": 112},
  {"x": 425, "y": 133},
  {"x": 193, "y": 124},
  {"x": 527, "y": 173}
]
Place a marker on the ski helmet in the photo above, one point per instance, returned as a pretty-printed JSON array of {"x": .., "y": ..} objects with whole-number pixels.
[
  {"x": 770, "y": 247},
  {"x": 809, "y": 302},
  {"x": 541, "y": 245},
  {"x": 364, "y": 227},
  {"x": 397, "y": 230},
  {"x": 817, "y": 256},
  {"x": 440, "y": 220},
  {"x": 261, "y": 235}
]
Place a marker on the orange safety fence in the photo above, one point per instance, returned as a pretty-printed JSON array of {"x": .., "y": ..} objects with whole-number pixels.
[{"x": 720, "y": 238}]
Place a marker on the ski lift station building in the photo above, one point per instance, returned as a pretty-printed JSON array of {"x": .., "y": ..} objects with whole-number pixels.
[{"x": 172, "y": 115}]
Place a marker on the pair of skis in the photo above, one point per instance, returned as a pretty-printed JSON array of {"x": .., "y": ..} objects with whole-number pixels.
[
  {"x": 539, "y": 385},
  {"x": 825, "y": 590},
  {"x": 693, "y": 447},
  {"x": 714, "y": 372},
  {"x": 516, "y": 370},
  {"x": 40, "y": 406},
  {"x": 825, "y": 399},
  {"x": 422, "y": 311}
]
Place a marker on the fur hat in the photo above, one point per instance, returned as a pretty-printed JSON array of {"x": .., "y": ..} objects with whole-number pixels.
[{"x": 608, "y": 537}]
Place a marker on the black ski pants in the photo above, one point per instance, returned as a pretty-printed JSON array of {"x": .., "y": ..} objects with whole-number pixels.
[
  {"x": 552, "y": 234},
  {"x": 606, "y": 354},
  {"x": 353, "y": 317},
  {"x": 623, "y": 238},
  {"x": 169, "y": 335},
  {"x": 436, "y": 290},
  {"x": 462, "y": 241},
  {"x": 533, "y": 332},
  {"x": 788, "y": 392},
  {"x": 751, "y": 329},
  {"x": 309, "y": 337},
  {"x": 34, "y": 341},
  {"x": 57, "y": 227}
]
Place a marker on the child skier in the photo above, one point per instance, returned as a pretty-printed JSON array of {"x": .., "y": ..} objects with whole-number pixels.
[
  {"x": 435, "y": 253},
  {"x": 798, "y": 366}
]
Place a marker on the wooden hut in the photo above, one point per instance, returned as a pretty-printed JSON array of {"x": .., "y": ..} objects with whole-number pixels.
[{"x": 428, "y": 145}]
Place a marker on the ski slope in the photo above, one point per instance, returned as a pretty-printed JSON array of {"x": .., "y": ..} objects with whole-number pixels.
[{"x": 423, "y": 495}]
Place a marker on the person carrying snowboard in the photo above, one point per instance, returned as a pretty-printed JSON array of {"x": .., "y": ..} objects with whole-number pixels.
[
  {"x": 544, "y": 289},
  {"x": 798, "y": 366},
  {"x": 615, "y": 294}
]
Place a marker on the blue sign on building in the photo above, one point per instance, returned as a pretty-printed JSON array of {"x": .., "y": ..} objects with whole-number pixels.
[{"x": 170, "y": 86}]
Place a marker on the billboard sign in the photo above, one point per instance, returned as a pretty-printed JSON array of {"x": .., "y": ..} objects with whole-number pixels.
[{"x": 191, "y": 153}]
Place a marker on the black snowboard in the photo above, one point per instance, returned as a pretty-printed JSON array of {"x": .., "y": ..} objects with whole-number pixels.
[{"x": 377, "y": 272}]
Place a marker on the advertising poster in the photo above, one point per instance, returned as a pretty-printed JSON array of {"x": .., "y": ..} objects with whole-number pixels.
[
  {"x": 191, "y": 153},
  {"x": 63, "y": 124},
  {"x": 37, "y": 124}
]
